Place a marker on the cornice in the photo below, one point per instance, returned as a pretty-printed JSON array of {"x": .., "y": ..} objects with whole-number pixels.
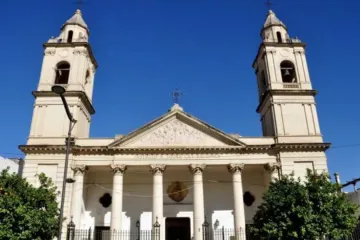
[
  {"x": 104, "y": 150},
  {"x": 80, "y": 94},
  {"x": 283, "y": 92},
  {"x": 276, "y": 44},
  {"x": 301, "y": 146},
  {"x": 74, "y": 44}
]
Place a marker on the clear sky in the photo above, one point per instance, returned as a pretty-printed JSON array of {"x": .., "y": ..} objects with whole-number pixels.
[{"x": 147, "y": 48}]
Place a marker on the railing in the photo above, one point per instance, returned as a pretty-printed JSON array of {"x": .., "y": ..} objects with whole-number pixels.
[
  {"x": 230, "y": 234},
  {"x": 106, "y": 234},
  {"x": 98, "y": 234},
  {"x": 291, "y": 85}
]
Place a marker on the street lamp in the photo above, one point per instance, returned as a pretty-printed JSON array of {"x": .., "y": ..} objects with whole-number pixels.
[{"x": 60, "y": 91}]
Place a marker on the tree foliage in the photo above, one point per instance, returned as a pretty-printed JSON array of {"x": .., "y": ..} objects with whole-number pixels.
[
  {"x": 307, "y": 210},
  {"x": 27, "y": 212}
]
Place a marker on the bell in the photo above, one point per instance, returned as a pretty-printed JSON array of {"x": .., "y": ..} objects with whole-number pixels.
[{"x": 287, "y": 72}]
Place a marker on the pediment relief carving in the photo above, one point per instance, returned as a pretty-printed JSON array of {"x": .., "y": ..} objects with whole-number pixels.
[{"x": 175, "y": 133}]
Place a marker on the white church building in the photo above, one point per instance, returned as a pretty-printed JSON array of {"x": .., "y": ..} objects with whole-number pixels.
[{"x": 177, "y": 170}]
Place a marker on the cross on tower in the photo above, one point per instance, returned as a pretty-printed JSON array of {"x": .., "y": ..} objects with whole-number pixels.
[
  {"x": 268, "y": 3},
  {"x": 79, "y": 4},
  {"x": 176, "y": 94}
]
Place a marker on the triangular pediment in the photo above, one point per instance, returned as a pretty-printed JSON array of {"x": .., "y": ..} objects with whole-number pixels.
[{"x": 176, "y": 129}]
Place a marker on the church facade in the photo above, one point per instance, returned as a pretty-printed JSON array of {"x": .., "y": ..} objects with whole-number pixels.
[{"x": 176, "y": 171}]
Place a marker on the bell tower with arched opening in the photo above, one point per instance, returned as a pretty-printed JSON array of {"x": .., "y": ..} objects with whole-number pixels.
[
  {"x": 286, "y": 98},
  {"x": 68, "y": 61}
]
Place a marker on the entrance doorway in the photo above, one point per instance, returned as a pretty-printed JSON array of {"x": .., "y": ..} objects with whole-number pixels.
[
  {"x": 177, "y": 228},
  {"x": 102, "y": 233}
]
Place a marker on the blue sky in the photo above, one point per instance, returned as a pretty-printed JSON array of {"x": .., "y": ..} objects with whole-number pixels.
[{"x": 147, "y": 48}]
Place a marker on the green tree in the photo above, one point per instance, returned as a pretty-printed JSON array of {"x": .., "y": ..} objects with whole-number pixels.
[
  {"x": 308, "y": 210},
  {"x": 27, "y": 212}
]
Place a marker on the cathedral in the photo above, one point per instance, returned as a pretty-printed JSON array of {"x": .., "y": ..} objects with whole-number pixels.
[{"x": 177, "y": 173}]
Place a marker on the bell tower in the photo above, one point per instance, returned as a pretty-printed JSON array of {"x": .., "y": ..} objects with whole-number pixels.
[
  {"x": 286, "y": 97},
  {"x": 68, "y": 61}
]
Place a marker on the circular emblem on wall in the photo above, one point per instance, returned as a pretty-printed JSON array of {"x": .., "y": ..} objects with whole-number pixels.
[
  {"x": 177, "y": 191},
  {"x": 249, "y": 199},
  {"x": 105, "y": 200},
  {"x": 64, "y": 53},
  {"x": 284, "y": 52}
]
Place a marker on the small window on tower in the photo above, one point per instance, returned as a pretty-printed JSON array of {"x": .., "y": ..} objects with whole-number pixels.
[
  {"x": 62, "y": 73},
  {"x": 263, "y": 79},
  {"x": 87, "y": 77},
  {"x": 278, "y": 35},
  {"x": 70, "y": 36},
  {"x": 288, "y": 72}
]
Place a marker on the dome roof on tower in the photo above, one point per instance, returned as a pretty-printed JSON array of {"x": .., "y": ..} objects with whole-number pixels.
[
  {"x": 272, "y": 20},
  {"x": 76, "y": 19}
]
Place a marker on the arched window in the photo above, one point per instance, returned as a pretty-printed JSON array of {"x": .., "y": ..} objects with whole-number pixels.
[
  {"x": 278, "y": 34},
  {"x": 62, "y": 73},
  {"x": 70, "y": 36},
  {"x": 288, "y": 72}
]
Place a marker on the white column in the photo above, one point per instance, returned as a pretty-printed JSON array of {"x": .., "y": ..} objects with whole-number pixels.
[
  {"x": 157, "y": 214},
  {"x": 199, "y": 209},
  {"x": 77, "y": 193},
  {"x": 117, "y": 197},
  {"x": 273, "y": 171},
  {"x": 239, "y": 210}
]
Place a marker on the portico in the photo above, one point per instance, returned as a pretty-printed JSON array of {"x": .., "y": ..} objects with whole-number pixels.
[{"x": 214, "y": 191}]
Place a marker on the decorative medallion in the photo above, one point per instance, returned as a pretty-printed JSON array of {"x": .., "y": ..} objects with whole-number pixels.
[
  {"x": 177, "y": 191},
  {"x": 284, "y": 52},
  {"x": 249, "y": 199},
  {"x": 105, "y": 200},
  {"x": 64, "y": 53}
]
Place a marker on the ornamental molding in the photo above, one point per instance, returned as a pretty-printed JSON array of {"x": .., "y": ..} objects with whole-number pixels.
[
  {"x": 82, "y": 52},
  {"x": 157, "y": 168},
  {"x": 236, "y": 167},
  {"x": 179, "y": 156},
  {"x": 272, "y": 167},
  {"x": 72, "y": 45},
  {"x": 49, "y": 52},
  {"x": 118, "y": 169},
  {"x": 175, "y": 133},
  {"x": 82, "y": 95},
  {"x": 79, "y": 169},
  {"x": 282, "y": 92},
  {"x": 197, "y": 168},
  {"x": 178, "y": 153}
]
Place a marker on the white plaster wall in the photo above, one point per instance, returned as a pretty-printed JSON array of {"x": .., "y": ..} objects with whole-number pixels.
[
  {"x": 50, "y": 119},
  {"x": 49, "y": 162},
  {"x": 292, "y": 116},
  {"x": 76, "y": 33},
  {"x": 297, "y": 162}
]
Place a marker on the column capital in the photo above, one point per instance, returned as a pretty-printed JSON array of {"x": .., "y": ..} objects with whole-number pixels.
[
  {"x": 157, "y": 168},
  {"x": 235, "y": 167},
  {"x": 197, "y": 168},
  {"x": 79, "y": 169},
  {"x": 271, "y": 167},
  {"x": 118, "y": 169}
]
